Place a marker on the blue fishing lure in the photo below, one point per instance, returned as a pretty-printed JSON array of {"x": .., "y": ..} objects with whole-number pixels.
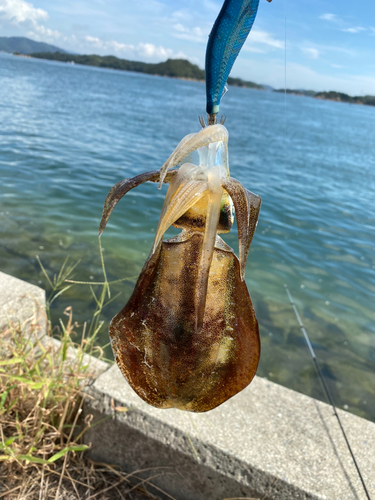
[{"x": 227, "y": 37}]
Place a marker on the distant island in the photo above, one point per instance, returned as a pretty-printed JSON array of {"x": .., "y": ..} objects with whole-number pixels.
[
  {"x": 25, "y": 46},
  {"x": 368, "y": 100},
  {"x": 175, "y": 68}
]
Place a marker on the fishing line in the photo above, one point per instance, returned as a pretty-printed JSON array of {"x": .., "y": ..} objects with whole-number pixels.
[
  {"x": 326, "y": 388},
  {"x": 285, "y": 65}
]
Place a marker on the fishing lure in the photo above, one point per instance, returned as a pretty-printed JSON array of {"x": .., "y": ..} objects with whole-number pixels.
[
  {"x": 188, "y": 337},
  {"x": 226, "y": 39}
]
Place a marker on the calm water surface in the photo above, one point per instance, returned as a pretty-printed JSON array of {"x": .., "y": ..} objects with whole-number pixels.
[{"x": 68, "y": 133}]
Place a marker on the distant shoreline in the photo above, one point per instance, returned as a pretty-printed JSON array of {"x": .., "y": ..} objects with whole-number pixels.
[
  {"x": 332, "y": 95},
  {"x": 185, "y": 70},
  {"x": 174, "y": 68}
]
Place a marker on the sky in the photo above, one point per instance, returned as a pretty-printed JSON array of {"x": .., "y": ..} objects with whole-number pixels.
[{"x": 319, "y": 44}]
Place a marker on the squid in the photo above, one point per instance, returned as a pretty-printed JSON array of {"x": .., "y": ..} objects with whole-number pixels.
[{"x": 188, "y": 337}]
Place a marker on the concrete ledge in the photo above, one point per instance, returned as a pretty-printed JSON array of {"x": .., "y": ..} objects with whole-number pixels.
[
  {"x": 21, "y": 302},
  {"x": 267, "y": 442},
  {"x": 25, "y": 304}
]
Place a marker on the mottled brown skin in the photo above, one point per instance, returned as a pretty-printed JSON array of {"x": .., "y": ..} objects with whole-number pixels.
[{"x": 156, "y": 345}]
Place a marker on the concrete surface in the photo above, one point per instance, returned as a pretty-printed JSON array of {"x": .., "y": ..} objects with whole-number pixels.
[
  {"x": 268, "y": 442},
  {"x": 21, "y": 302}
]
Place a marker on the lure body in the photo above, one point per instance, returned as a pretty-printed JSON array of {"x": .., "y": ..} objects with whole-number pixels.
[
  {"x": 226, "y": 39},
  {"x": 188, "y": 337}
]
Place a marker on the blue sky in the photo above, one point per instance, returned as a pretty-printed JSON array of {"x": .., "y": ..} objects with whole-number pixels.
[{"x": 330, "y": 45}]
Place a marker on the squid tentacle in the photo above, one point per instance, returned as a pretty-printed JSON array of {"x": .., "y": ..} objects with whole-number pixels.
[{"x": 180, "y": 145}]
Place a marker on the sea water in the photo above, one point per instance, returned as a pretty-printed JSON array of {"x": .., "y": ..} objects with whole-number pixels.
[{"x": 68, "y": 133}]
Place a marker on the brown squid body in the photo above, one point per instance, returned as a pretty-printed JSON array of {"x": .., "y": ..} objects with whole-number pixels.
[{"x": 188, "y": 337}]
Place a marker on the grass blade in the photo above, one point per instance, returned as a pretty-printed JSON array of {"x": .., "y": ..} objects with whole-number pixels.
[{"x": 56, "y": 456}]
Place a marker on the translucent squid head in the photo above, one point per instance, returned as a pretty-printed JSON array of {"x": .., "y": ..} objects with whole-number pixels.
[{"x": 207, "y": 160}]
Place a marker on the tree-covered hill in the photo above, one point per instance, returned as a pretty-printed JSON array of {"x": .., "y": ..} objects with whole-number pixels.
[
  {"x": 24, "y": 45},
  {"x": 332, "y": 95},
  {"x": 176, "y": 68}
]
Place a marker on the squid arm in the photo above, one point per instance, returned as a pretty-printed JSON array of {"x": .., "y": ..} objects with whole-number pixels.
[
  {"x": 247, "y": 206},
  {"x": 184, "y": 198},
  {"x": 212, "y": 220},
  {"x": 186, "y": 172},
  {"x": 120, "y": 189}
]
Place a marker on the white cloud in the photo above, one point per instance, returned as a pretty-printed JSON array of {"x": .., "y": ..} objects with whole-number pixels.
[
  {"x": 144, "y": 51},
  {"x": 264, "y": 38},
  {"x": 24, "y": 14},
  {"x": 180, "y": 27},
  {"x": 357, "y": 29},
  {"x": 97, "y": 43},
  {"x": 182, "y": 14},
  {"x": 322, "y": 49},
  {"x": 255, "y": 50},
  {"x": 256, "y": 37},
  {"x": 192, "y": 34},
  {"x": 328, "y": 17},
  {"x": 337, "y": 20},
  {"x": 94, "y": 40},
  {"x": 311, "y": 52},
  {"x": 151, "y": 51},
  {"x": 19, "y": 11},
  {"x": 335, "y": 48},
  {"x": 41, "y": 32}
]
